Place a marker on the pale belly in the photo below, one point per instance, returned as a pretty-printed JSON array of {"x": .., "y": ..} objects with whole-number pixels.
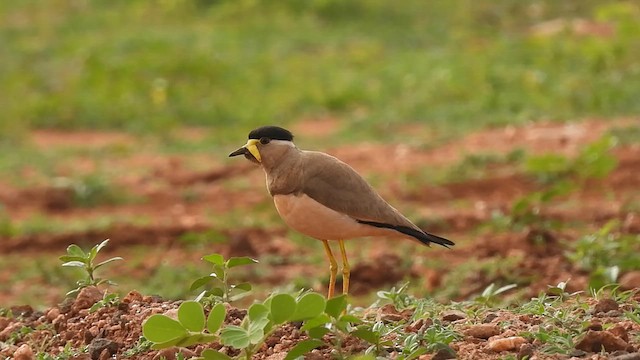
[{"x": 311, "y": 218}]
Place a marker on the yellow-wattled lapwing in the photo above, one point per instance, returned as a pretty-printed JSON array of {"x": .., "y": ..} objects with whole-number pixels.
[{"x": 322, "y": 197}]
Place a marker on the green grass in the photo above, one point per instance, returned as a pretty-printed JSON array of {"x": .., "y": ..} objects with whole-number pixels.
[{"x": 149, "y": 67}]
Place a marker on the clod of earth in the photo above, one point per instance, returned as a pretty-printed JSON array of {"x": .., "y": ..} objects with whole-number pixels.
[{"x": 595, "y": 341}]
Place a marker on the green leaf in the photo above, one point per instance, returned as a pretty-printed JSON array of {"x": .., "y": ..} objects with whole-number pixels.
[
  {"x": 257, "y": 312},
  {"x": 94, "y": 250},
  {"x": 319, "y": 320},
  {"x": 75, "y": 250},
  {"x": 235, "y": 336},
  {"x": 309, "y": 306},
  {"x": 200, "y": 282},
  {"x": 282, "y": 308},
  {"x": 257, "y": 330},
  {"x": 335, "y": 306},
  {"x": 209, "y": 354},
  {"x": 108, "y": 261},
  {"x": 166, "y": 344},
  {"x": 302, "y": 348},
  {"x": 216, "y": 291},
  {"x": 318, "y": 332},
  {"x": 245, "y": 286},
  {"x": 350, "y": 319},
  {"x": 366, "y": 335},
  {"x": 67, "y": 258},
  {"x": 215, "y": 259},
  {"x": 160, "y": 328},
  {"x": 191, "y": 315},
  {"x": 239, "y": 261},
  {"x": 197, "y": 338},
  {"x": 74, "y": 264},
  {"x": 101, "y": 245},
  {"x": 216, "y": 318}
]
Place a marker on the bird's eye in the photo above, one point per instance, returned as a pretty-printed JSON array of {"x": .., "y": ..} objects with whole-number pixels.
[{"x": 264, "y": 140}]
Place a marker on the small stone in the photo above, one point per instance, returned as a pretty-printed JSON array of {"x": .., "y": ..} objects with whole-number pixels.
[
  {"x": 526, "y": 351},
  {"x": 132, "y": 296},
  {"x": 489, "y": 318},
  {"x": 630, "y": 280},
  {"x": 595, "y": 325},
  {"x": 9, "y": 329},
  {"x": 482, "y": 331},
  {"x": 98, "y": 345},
  {"x": 388, "y": 313},
  {"x": 453, "y": 315},
  {"x": 444, "y": 354},
  {"x": 52, "y": 313},
  {"x": 4, "y": 322},
  {"x": 620, "y": 332},
  {"x": 86, "y": 298},
  {"x": 277, "y": 356},
  {"x": 24, "y": 352},
  {"x": 506, "y": 344},
  {"x": 594, "y": 341},
  {"x": 21, "y": 310},
  {"x": 166, "y": 354},
  {"x": 605, "y": 305}
]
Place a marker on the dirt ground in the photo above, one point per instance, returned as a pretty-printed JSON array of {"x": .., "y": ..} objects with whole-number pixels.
[{"x": 163, "y": 180}]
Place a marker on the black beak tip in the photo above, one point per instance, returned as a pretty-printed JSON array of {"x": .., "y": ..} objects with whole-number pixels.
[{"x": 240, "y": 151}]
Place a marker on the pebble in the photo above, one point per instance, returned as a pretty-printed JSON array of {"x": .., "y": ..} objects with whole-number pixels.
[
  {"x": 506, "y": 344},
  {"x": 453, "y": 315},
  {"x": 24, "y": 352},
  {"x": 594, "y": 341},
  {"x": 86, "y": 298},
  {"x": 53, "y": 313},
  {"x": 605, "y": 305},
  {"x": 100, "y": 345},
  {"x": 482, "y": 331}
]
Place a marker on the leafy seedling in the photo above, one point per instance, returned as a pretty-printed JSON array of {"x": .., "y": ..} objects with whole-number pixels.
[
  {"x": 261, "y": 320},
  {"x": 190, "y": 328},
  {"x": 111, "y": 299},
  {"x": 217, "y": 286},
  {"x": 76, "y": 257},
  {"x": 489, "y": 296}
]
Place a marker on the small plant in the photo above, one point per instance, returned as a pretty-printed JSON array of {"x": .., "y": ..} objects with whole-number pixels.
[
  {"x": 111, "y": 299},
  {"x": 604, "y": 254},
  {"x": 335, "y": 321},
  {"x": 217, "y": 285},
  {"x": 490, "y": 294},
  {"x": 261, "y": 320},
  {"x": 559, "y": 291},
  {"x": 76, "y": 257},
  {"x": 398, "y": 297}
]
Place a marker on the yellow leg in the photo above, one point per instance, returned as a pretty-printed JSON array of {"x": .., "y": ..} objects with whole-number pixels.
[
  {"x": 333, "y": 267},
  {"x": 346, "y": 269}
]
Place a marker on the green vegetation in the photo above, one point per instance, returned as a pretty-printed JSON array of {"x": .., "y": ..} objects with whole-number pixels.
[
  {"x": 227, "y": 291},
  {"x": 78, "y": 258},
  {"x": 150, "y": 67},
  {"x": 605, "y": 253}
]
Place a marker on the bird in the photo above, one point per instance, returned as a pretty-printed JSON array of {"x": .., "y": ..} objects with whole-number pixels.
[{"x": 322, "y": 197}]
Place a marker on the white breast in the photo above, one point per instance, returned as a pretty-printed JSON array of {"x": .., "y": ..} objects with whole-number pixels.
[{"x": 311, "y": 218}]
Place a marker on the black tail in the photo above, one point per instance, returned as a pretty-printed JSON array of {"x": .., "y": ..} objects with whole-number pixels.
[{"x": 423, "y": 237}]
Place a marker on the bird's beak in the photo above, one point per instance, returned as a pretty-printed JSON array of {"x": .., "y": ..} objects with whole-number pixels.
[{"x": 251, "y": 148}]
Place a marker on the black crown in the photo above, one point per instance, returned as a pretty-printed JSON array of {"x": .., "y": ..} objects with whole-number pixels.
[{"x": 271, "y": 132}]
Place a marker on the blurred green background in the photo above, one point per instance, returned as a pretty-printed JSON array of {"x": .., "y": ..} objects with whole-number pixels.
[{"x": 150, "y": 66}]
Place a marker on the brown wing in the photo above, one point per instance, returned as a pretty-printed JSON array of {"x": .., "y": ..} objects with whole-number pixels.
[{"x": 337, "y": 186}]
